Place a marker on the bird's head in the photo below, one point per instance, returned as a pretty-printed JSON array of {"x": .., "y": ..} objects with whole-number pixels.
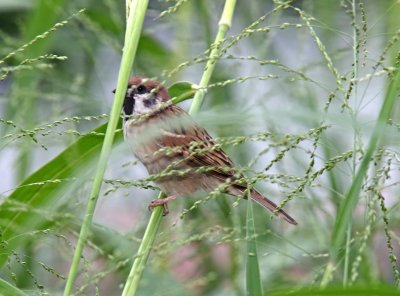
[{"x": 143, "y": 96}]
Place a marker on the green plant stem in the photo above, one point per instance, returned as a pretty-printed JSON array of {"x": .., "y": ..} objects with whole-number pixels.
[
  {"x": 132, "y": 35},
  {"x": 355, "y": 135},
  {"x": 224, "y": 26},
  {"x": 137, "y": 269}
]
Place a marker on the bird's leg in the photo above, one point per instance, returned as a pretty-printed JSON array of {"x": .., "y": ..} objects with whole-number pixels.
[{"x": 162, "y": 202}]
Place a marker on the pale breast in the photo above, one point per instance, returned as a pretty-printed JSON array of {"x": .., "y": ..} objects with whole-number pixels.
[{"x": 144, "y": 140}]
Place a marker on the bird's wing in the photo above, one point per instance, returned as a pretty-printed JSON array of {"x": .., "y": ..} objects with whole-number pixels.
[{"x": 196, "y": 145}]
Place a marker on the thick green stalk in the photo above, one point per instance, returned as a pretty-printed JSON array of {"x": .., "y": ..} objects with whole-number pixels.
[
  {"x": 132, "y": 35},
  {"x": 224, "y": 25},
  {"x": 136, "y": 272},
  {"x": 132, "y": 282}
]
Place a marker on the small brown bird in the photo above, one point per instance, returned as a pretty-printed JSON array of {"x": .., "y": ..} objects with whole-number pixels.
[{"x": 180, "y": 153}]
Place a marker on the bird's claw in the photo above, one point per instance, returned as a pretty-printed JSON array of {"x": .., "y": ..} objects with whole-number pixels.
[{"x": 161, "y": 202}]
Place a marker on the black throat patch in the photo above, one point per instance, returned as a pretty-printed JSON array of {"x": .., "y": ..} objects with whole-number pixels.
[{"x": 129, "y": 104}]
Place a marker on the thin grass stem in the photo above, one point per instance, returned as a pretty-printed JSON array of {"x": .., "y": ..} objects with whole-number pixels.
[
  {"x": 355, "y": 136},
  {"x": 345, "y": 212}
]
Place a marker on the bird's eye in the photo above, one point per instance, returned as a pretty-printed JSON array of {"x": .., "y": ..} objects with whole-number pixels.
[{"x": 141, "y": 89}]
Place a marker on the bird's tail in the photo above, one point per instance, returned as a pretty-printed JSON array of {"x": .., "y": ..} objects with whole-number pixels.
[{"x": 269, "y": 205}]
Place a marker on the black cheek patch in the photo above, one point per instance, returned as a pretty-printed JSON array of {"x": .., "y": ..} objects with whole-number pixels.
[
  {"x": 149, "y": 102},
  {"x": 129, "y": 103}
]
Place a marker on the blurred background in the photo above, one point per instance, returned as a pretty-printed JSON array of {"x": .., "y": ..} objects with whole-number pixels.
[{"x": 294, "y": 98}]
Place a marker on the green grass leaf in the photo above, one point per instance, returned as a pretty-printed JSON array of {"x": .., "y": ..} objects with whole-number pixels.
[
  {"x": 180, "y": 88},
  {"x": 253, "y": 280},
  {"x": 22, "y": 211},
  {"x": 181, "y": 91},
  {"x": 344, "y": 216},
  {"x": 7, "y": 289},
  {"x": 375, "y": 290}
]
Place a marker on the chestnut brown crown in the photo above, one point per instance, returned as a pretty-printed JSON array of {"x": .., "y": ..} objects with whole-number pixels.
[{"x": 149, "y": 86}]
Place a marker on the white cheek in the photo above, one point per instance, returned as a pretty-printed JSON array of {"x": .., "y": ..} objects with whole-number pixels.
[
  {"x": 139, "y": 107},
  {"x": 139, "y": 104}
]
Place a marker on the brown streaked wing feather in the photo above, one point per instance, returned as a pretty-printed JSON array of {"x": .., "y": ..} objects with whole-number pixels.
[{"x": 186, "y": 133}]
